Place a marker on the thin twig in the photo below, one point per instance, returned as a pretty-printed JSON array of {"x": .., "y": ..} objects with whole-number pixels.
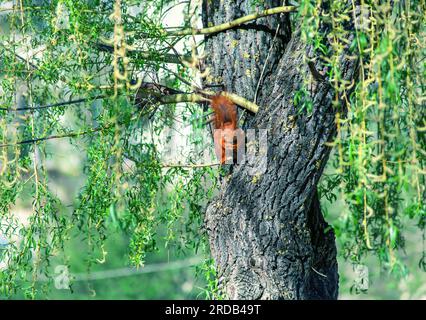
[
  {"x": 146, "y": 55},
  {"x": 59, "y": 136},
  {"x": 266, "y": 63},
  {"x": 55, "y": 105},
  {"x": 201, "y": 165},
  {"x": 321, "y": 274}
]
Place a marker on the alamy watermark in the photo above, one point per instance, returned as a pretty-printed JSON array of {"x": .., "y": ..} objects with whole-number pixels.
[
  {"x": 62, "y": 280},
  {"x": 361, "y": 282}
]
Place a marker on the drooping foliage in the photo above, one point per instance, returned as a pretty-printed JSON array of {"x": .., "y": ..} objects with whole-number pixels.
[{"x": 379, "y": 151}]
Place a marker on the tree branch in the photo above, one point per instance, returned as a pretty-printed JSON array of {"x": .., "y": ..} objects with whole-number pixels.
[
  {"x": 154, "y": 93},
  {"x": 59, "y": 136},
  {"x": 146, "y": 55},
  {"x": 194, "y": 97},
  {"x": 242, "y": 102},
  {"x": 55, "y": 105},
  {"x": 201, "y": 165},
  {"x": 232, "y": 24}
]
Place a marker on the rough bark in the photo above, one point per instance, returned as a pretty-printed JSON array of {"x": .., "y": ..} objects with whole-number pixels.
[{"x": 267, "y": 233}]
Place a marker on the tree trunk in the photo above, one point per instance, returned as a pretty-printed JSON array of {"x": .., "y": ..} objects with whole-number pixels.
[{"x": 267, "y": 233}]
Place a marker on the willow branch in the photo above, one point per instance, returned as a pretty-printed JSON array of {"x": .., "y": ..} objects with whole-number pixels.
[
  {"x": 238, "y": 100},
  {"x": 190, "y": 166},
  {"x": 23, "y": 60},
  {"x": 199, "y": 97},
  {"x": 146, "y": 55},
  {"x": 154, "y": 93},
  {"x": 59, "y": 136},
  {"x": 176, "y": 98},
  {"x": 232, "y": 24},
  {"x": 55, "y": 105},
  {"x": 164, "y": 57}
]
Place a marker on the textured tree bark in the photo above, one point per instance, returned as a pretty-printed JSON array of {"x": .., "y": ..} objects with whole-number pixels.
[{"x": 267, "y": 233}]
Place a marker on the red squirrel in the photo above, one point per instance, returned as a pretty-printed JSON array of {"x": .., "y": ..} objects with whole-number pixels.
[{"x": 225, "y": 119}]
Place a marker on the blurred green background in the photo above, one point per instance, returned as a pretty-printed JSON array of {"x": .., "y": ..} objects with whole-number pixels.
[
  {"x": 170, "y": 273},
  {"x": 166, "y": 280},
  {"x": 183, "y": 282}
]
